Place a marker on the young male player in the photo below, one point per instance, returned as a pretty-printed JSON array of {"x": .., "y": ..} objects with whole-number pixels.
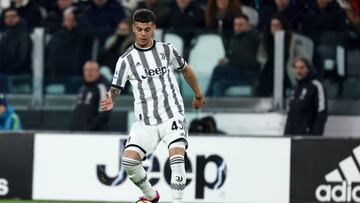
[{"x": 159, "y": 108}]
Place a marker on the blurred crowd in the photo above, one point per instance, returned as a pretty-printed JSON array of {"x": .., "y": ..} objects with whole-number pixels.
[{"x": 75, "y": 28}]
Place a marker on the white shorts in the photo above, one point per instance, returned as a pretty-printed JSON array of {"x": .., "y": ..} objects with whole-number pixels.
[{"x": 145, "y": 138}]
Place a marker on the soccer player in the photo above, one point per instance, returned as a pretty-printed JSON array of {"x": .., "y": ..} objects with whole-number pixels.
[{"x": 159, "y": 108}]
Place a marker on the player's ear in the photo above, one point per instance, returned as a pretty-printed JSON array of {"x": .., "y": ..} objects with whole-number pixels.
[{"x": 133, "y": 27}]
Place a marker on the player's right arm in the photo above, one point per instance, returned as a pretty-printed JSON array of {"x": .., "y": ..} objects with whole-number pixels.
[{"x": 119, "y": 80}]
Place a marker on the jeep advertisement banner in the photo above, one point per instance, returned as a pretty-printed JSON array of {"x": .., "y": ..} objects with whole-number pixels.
[
  {"x": 325, "y": 170},
  {"x": 16, "y": 165},
  {"x": 219, "y": 169}
]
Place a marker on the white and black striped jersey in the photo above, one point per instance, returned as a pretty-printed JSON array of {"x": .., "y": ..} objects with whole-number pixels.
[{"x": 150, "y": 72}]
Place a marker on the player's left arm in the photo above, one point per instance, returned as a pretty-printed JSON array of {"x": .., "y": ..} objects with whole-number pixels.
[
  {"x": 190, "y": 78},
  {"x": 119, "y": 80},
  {"x": 107, "y": 104}
]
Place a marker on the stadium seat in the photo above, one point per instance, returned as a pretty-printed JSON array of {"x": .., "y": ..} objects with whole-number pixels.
[
  {"x": 176, "y": 41},
  {"x": 252, "y": 14},
  {"x": 55, "y": 89},
  {"x": 158, "y": 34},
  {"x": 243, "y": 90},
  {"x": 307, "y": 44},
  {"x": 203, "y": 58}
]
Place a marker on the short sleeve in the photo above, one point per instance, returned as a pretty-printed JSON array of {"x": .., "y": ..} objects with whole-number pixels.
[
  {"x": 121, "y": 74},
  {"x": 177, "y": 61}
]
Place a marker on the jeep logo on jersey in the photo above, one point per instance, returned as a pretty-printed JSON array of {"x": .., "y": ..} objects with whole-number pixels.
[
  {"x": 152, "y": 166},
  {"x": 159, "y": 71},
  {"x": 343, "y": 183}
]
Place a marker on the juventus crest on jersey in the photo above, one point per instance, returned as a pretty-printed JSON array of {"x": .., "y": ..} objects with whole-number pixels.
[{"x": 150, "y": 72}]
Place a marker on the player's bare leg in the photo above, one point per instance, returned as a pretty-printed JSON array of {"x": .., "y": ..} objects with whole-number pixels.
[
  {"x": 178, "y": 174},
  {"x": 137, "y": 174}
]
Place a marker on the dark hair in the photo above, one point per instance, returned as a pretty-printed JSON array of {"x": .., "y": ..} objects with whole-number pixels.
[
  {"x": 240, "y": 15},
  {"x": 268, "y": 38},
  {"x": 143, "y": 16},
  {"x": 233, "y": 8},
  {"x": 306, "y": 61}
]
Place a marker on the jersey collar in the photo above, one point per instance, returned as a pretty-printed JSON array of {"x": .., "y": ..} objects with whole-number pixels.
[{"x": 147, "y": 49}]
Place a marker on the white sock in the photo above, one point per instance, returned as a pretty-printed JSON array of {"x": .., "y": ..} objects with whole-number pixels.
[
  {"x": 138, "y": 176},
  {"x": 178, "y": 177}
]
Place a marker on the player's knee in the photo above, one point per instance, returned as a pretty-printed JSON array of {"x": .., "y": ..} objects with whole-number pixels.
[
  {"x": 130, "y": 165},
  {"x": 134, "y": 152},
  {"x": 177, "y": 148}
]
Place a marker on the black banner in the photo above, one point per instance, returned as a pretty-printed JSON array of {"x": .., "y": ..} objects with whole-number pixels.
[
  {"x": 16, "y": 165},
  {"x": 316, "y": 175}
]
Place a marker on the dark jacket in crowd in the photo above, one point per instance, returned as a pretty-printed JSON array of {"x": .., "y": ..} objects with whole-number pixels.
[
  {"x": 105, "y": 19},
  {"x": 185, "y": 22},
  {"x": 68, "y": 50},
  {"x": 292, "y": 14},
  {"x": 192, "y": 17},
  {"x": 307, "y": 109},
  {"x": 88, "y": 116},
  {"x": 161, "y": 10},
  {"x": 54, "y": 20},
  {"x": 15, "y": 51},
  {"x": 332, "y": 18},
  {"x": 242, "y": 50},
  {"x": 31, "y": 14}
]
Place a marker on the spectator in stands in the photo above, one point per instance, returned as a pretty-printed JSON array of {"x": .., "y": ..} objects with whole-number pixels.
[
  {"x": 15, "y": 48},
  {"x": 326, "y": 25},
  {"x": 185, "y": 17},
  {"x": 351, "y": 8},
  {"x": 54, "y": 17},
  {"x": 286, "y": 8},
  {"x": 219, "y": 14},
  {"x": 88, "y": 116},
  {"x": 325, "y": 16},
  {"x": 117, "y": 44},
  {"x": 103, "y": 16},
  {"x": 9, "y": 120},
  {"x": 308, "y": 104},
  {"x": 293, "y": 48},
  {"x": 68, "y": 50},
  {"x": 240, "y": 67},
  {"x": 30, "y": 11},
  {"x": 161, "y": 10}
]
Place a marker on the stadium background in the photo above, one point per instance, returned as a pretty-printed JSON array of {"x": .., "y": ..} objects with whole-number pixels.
[{"x": 253, "y": 162}]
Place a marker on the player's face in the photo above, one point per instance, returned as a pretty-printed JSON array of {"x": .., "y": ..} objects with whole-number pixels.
[
  {"x": 301, "y": 70},
  {"x": 2, "y": 109},
  {"x": 143, "y": 33}
]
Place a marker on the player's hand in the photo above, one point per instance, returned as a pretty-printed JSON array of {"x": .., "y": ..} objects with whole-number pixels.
[
  {"x": 107, "y": 103},
  {"x": 198, "y": 102}
]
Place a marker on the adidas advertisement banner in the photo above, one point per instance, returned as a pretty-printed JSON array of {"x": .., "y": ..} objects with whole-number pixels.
[
  {"x": 325, "y": 170},
  {"x": 16, "y": 165},
  {"x": 219, "y": 169}
]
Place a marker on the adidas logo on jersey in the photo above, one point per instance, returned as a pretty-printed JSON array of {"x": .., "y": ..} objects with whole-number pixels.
[
  {"x": 343, "y": 184},
  {"x": 159, "y": 71}
]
